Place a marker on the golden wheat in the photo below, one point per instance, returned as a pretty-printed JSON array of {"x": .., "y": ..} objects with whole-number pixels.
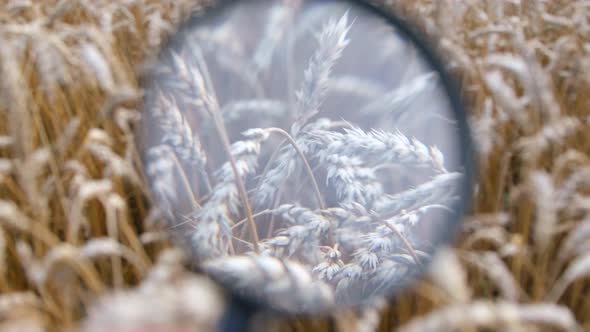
[{"x": 79, "y": 237}]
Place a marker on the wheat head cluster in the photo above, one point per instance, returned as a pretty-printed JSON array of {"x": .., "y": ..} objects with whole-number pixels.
[
  {"x": 86, "y": 211},
  {"x": 342, "y": 193}
]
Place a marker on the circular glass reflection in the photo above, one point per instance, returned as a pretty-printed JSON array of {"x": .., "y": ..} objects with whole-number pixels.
[{"x": 305, "y": 153}]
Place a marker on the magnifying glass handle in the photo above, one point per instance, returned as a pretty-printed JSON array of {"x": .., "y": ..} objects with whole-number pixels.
[{"x": 237, "y": 317}]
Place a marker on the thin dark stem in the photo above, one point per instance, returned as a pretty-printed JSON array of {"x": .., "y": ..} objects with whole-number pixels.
[
  {"x": 307, "y": 167},
  {"x": 185, "y": 182},
  {"x": 272, "y": 159},
  {"x": 213, "y": 108},
  {"x": 222, "y": 131},
  {"x": 254, "y": 215},
  {"x": 271, "y": 224},
  {"x": 405, "y": 241}
]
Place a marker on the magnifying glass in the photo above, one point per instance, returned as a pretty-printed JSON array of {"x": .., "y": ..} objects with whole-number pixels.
[{"x": 309, "y": 155}]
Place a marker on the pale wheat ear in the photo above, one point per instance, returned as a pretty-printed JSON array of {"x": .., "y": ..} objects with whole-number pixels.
[
  {"x": 378, "y": 146},
  {"x": 12, "y": 218},
  {"x": 354, "y": 182},
  {"x": 492, "y": 315},
  {"x": 41, "y": 272},
  {"x": 213, "y": 222},
  {"x": 271, "y": 280},
  {"x": 307, "y": 231},
  {"x": 435, "y": 190},
  {"x": 110, "y": 247},
  {"x": 179, "y": 135},
  {"x": 393, "y": 104},
  {"x": 185, "y": 300},
  {"x": 285, "y": 163},
  {"x": 332, "y": 40},
  {"x": 497, "y": 271},
  {"x": 279, "y": 21}
]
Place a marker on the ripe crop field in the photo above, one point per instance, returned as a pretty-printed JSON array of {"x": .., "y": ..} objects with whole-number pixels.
[{"x": 84, "y": 238}]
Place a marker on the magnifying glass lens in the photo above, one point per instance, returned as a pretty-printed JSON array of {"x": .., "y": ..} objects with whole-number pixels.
[{"x": 308, "y": 154}]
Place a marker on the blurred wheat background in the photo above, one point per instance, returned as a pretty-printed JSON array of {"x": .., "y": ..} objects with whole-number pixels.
[{"x": 81, "y": 247}]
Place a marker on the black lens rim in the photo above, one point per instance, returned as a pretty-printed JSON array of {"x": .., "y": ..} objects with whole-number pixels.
[{"x": 425, "y": 46}]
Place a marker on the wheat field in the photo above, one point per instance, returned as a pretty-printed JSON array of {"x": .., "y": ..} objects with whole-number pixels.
[{"x": 84, "y": 247}]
